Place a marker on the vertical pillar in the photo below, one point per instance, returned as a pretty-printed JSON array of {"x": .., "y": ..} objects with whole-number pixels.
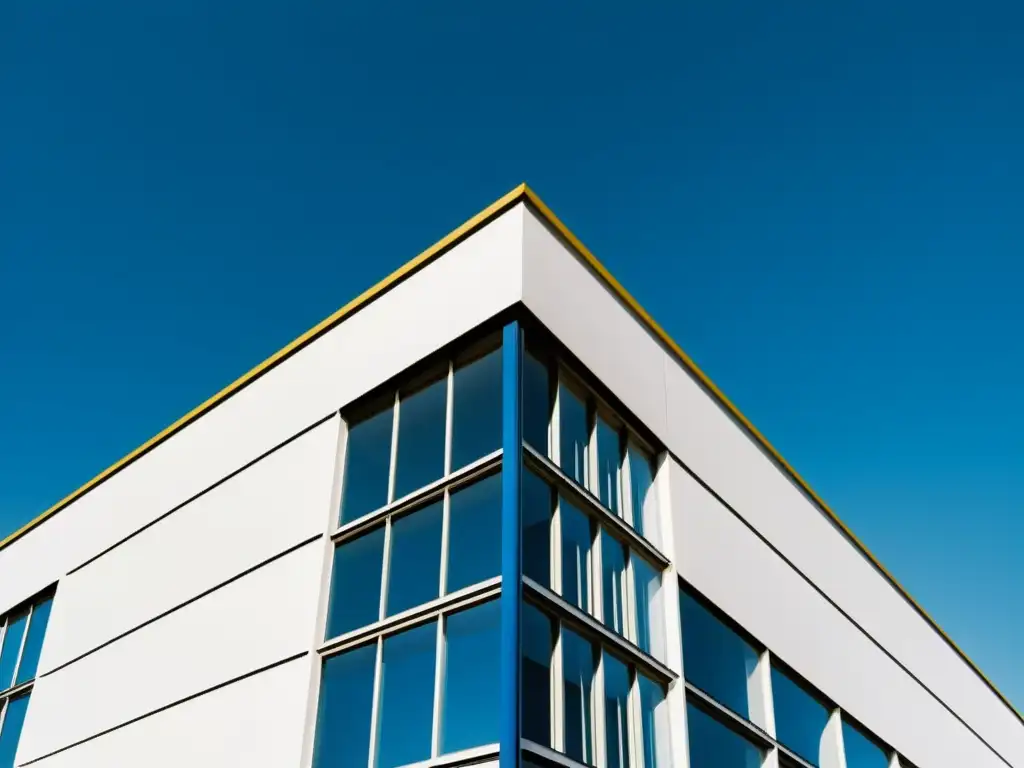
[
  {"x": 511, "y": 543},
  {"x": 832, "y": 752},
  {"x": 759, "y": 692}
]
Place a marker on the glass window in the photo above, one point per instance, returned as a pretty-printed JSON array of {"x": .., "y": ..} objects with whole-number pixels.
[
  {"x": 414, "y": 567},
  {"x": 713, "y": 745},
  {"x": 34, "y": 642},
  {"x": 653, "y": 724},
  {"x": 641, "y": 493},
  {"x": 579, "y": 662},
  {"x": 613, "y": 566},
  {"x": 407, "y": 696},
  {"x": 608, "y": 461},
  {"x": 577, "y": 536},
  {"x": 476, "y": 410},
  {"x": 367, "y": 465},
  {"x": 12, "y": 647},
  {"x": 800, "y": 719},
  {"x": 536, "y": 403},
  {"x": 421, "y": 428},
  {"x": 474, "y": 533},
  {"x": 538, "y": 641},
  {"x": 861, "y": 750},
  {"x": 538, "y": 505},
  {"x": 346, "y": 701},
  {"x": 650, "y": 630},
  {"x": 355, "y": 585},
  {"x": 715, "y": 659},
  {"x": 616, "y": 712},
  {"x": 13, "y": 720},
  {"x": 574, "y": 435},
  {"x": 471, "y": 686}
]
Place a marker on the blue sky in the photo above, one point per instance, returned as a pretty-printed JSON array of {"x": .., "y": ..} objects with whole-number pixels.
[{"x": 820, "y": 201}]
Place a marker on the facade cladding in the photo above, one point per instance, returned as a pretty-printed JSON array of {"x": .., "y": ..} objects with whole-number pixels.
[{"x": 487, "y": 514}]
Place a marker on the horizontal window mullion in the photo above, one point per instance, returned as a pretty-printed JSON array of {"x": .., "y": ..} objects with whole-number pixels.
[
  {"x": 15, "y": 691},
  {"x": 550, "y": 755},
  {"x": 462, "y": 757}
]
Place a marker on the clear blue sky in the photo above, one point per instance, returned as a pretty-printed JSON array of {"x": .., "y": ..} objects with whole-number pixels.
[{"x": 821, "y": 201}]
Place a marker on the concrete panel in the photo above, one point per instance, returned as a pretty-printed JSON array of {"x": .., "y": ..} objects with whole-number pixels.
[
  {"x": 256, "y": 621},
  {"x": 273, "y": 505},
  {"x": 256, "y": 722},
  {"x": 469, "y": 284},
  {"x": 728, "y": 563}
]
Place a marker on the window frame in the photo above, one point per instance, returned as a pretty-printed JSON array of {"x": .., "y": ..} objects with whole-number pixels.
[{"x": 17, "y": 690}]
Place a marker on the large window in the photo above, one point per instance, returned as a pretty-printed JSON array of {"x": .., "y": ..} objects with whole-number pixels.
[
  {"x": 800, "y": 718},
  {"x": 21, "y": 643},
  {"x": 713, "y": 744},
  {"x": 862, "y": 751}
]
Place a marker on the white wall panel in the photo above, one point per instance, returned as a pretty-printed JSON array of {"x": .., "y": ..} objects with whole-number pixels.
[
  {"x": 273, "y": 505},
  {"x": 471, "y": 283},
  {"x": 258, "y": 620},
  {"x": 256, "y": 722}
]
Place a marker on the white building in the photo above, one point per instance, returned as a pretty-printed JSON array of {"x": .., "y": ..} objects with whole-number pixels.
[{"x": 326, "y": 563}]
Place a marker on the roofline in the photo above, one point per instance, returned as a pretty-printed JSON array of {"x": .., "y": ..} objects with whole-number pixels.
[{"x": 521, "y": 193}]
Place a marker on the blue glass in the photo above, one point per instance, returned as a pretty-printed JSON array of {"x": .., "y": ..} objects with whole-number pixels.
[
  {"x": 421, "y": 428},
  {"x": 11, "y": 649},
  {"x": 574, "y": 433},
  {"x": 34, "y": 641},
  {"x": 579, "y": 662},
  {"x": 538, "y": 506},
  {"x": 13, "y": 720},
  {"x": 476, "y": 410},
  {"x": 407, "y": 696},
  {"x": 616, "y": 712},
  {"x": 713, "y": 745},
  {"x": 715, "y": 659},
  {"x": 652, "y": 723},
  {"x": 537, "y": 402},
  {"x": 613, "y": 575},
  {"x": 355, "y": 583},
  {"x": 471, "y": 684},
  {"x": 538, "y": 643},
  {"x": 414, "y": 568},
  {"x": 800, "y": 719},
  {"x": 367, "y": 465},
  {"x": 862, "y": 751},
  {"x": 609, "y": 458},
  {"x": 649, "y": 624},
  {"x": 641, "y": 493},
  {"x": 343, "y": 716},
  {"x": 577, "y": 538},
  {"x": 474, "y": 533}
]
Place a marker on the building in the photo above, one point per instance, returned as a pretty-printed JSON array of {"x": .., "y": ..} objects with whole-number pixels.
[{"x": 332, "y": 563}]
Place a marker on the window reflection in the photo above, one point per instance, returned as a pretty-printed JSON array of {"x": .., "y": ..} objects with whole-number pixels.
[
  {"x": 367, "y": 465},
  {"x": 407, "y": 696},
  {"x": 474, "y": 533},
  {"x": 346, "y": 701},
  {"x": 476, "y": 410},
  {"x": 800, "y": 719},
  {"x": 414, "y": 566},
  {"x": 355, "y": 585},
  {"x": 537, "y": 506},
  {"x": 713, "y": 745},
  {"x": 641, "y": 492},
  {"x": 608, "y": 461},
  {"x": 616, "y": 712},
  {"x": 574, "y": 435},
  {"x": 421, "y": 428},
  {"x": 538, "y": 642},
  {"x": 577, "y": 536},
  {"x": 579, "y": 662},
  {"x": 613, "y": 566},
  {"x": 471, "y": 690}
]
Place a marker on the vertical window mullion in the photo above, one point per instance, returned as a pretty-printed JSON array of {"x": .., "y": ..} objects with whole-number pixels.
[
  {"x": 449, "y": 417},
  {"x": 446, "y": 505},
  {"x": 385, "y": 570},
  {"x": 392, "y": 470},
  {"x": 626, "y": 483},
  {"x": 378, "y": 668},
  {"x": 634, "y": 723},
  {"x": 597, "y": 569},
  {"x": 21, "y": 647},
  {"x": 591, "y": 466},
  {"x": 555, "y": 448},
  {"x": 556, "y": 547},
  {"x": 630, "y": 614},
  {"x": 598, "y": 713},
  {"x": 558, "y": 692},
  {"x": 439, "y": 673}
]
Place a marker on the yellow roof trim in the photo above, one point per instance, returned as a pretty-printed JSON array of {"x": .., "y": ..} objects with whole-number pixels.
[{"x": 520, "y": 193}]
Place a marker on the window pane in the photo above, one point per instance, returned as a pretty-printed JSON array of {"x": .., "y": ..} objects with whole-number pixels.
[
  {"x": 641, "y": 492},
  {"x": 474, "y": 533},
  {"x": 799, "y": 718},
  {"x": 577, "y": 535},
  {"x": 13, "y": 721},
  {"x": 407, "y": 696},
  {"x": 355, "y": 585},
  {"x": 343, "y": 717},
  {"x": 476, "y": 410},
  {"x": 613, "y": 566},
  {"x": 471, "y": 683},
  {"x": 653, "y": 724},
  {"x": 574, "y": 434},
  {"x": 34, "y": 642},
  {"x": 579, "y": 661},
  {"x": 862, "y": 752},
  {"x": 650, "y": 629},
  {"x": 367, "y": 462},
  {"x": 616, "y": 712},
  {"x": 414, "y": 568},
  {"x": 536, "y": 403},
  {"x": 608, "y": 462},
  {"x": 421, "y": 427},
  {"x": 712, "y": 745},
  {"x": 715, "y": 659},
  {"x": 538, "y": 640},
  {"x": 538, "y": 504},
  {"x": 12, "y": 647}
]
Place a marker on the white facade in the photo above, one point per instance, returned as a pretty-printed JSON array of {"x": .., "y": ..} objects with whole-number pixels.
[{"x": 192, "y": 584}]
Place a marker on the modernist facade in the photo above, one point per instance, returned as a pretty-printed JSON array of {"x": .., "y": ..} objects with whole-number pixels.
[{"x": 488, "y": 513}]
